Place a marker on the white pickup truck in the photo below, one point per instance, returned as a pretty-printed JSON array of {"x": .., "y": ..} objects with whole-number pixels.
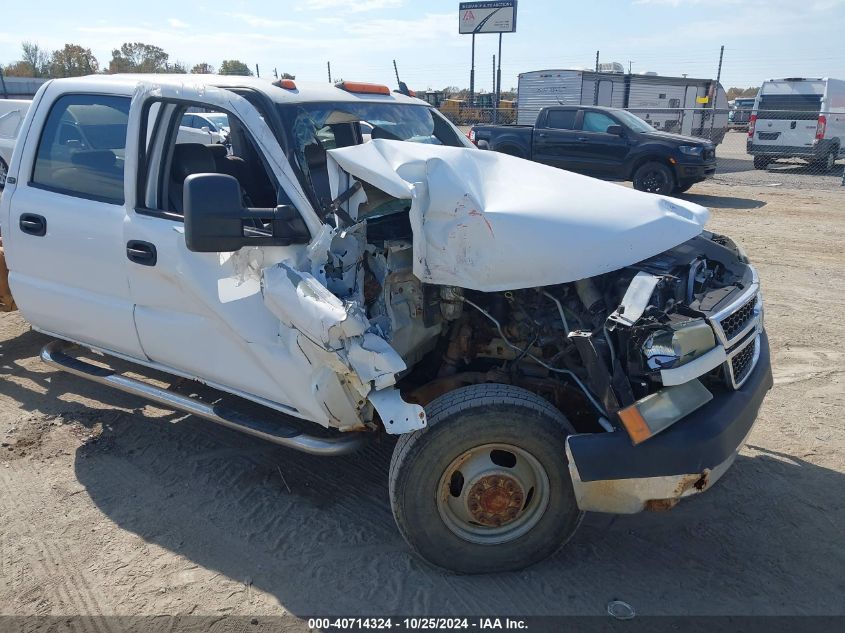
[{"x": 543, "y": 343}]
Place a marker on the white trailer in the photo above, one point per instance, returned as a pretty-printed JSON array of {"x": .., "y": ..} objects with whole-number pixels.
[
  {"x": 682, "y": 105},
  {"x": 798, "y": 117}
]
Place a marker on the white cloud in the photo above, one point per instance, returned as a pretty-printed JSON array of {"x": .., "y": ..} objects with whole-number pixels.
[
  {"x": 259, "y": 22},
  {"x": 177, "y": 24}
]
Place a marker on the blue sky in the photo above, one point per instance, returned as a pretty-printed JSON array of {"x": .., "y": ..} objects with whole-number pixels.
[{"x": 763, "y": 38}]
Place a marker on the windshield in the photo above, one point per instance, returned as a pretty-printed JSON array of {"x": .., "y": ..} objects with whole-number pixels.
[
  {"x": 318, "y": 127},
  {"x": 632, "y": 121}
]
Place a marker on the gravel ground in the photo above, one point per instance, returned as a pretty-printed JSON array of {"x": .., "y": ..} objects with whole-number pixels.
[
  {"x": 736, "y": 167},
  {"x": 111, "y": 506}
]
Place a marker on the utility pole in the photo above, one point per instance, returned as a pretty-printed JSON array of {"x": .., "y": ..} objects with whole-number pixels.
[
  {"x": 3, "y": 85},
  {"x": 472, "y": 74},
  {"x": 275, "y": 73},
  {"x": 716, "y": 91},
  {"x": 495, "y": 101},
  {"x": 499, "y": 75},
  {"x": 629, "y": 66},
  {"x": 257, "y": 74},
  {"x": 329, "y": 66},
  {"x": 596, "y": 86}
]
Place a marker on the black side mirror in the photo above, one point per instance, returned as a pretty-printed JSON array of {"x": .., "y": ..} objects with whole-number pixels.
[
  {"x": 616, "y": 130},
  {"x": 217, "y": 222}
]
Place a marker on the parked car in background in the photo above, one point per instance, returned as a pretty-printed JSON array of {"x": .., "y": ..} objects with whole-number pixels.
[
  {"x": 798, "y": 118},
  {"x": 740, "y": 114},
  {"x": 12, "y": 112},
  {"x": 608, "y": 143},
  {"x": 204, "y": 127}
]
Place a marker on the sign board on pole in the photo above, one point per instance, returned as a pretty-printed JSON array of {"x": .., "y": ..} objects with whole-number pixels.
[{"x": 498, "y": 16}]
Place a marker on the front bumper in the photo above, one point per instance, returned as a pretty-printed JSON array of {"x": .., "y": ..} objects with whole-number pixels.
[
  {"x": 690, "y": 173},
  {"x": 609, "y": 474}
]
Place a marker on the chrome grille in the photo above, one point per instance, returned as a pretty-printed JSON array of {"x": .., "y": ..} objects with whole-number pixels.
[
  {"x": 735, "y": 323},
  {"x": 742, "y": 360}
]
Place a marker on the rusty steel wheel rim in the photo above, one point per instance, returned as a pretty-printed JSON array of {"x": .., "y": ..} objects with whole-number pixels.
[{"x": 493, "y": 493}]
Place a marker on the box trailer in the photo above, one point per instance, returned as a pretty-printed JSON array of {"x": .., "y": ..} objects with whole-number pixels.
[
  {"x": 682, "y": 105},
  {"x": 798, "y": 117}
]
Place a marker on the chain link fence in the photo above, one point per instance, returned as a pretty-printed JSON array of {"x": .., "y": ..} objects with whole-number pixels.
[{"x": 792, "y": 149}]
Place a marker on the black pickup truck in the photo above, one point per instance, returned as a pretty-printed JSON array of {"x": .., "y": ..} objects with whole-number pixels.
[{"x": 605, "y": 142}]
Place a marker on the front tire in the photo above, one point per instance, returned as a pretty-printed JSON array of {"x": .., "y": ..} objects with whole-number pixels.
[
  {"x": 4, "y": 172},
  {"x": 684, "y": 188},
  {"x": 654, "y": 177},
  {"x": 485, "y": 487}
]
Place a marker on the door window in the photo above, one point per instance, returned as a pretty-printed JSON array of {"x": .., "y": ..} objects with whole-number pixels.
[
  {"x": 82, "y": 147},
  {"x": 597, "y": 122},
  {"x": 561, "y": 119},
  {"x": 240, "y": 159}
]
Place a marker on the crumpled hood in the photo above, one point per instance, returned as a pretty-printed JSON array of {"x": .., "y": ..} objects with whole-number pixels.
[{"x": 490, "y": 222}]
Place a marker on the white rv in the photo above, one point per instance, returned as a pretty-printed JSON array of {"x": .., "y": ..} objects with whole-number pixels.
[
  {"x": 798, "y": 118},
  {"x": 681, "y": 105}
]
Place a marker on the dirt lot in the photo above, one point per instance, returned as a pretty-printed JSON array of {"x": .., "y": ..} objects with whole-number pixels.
[{"x": 108, "y": 506}]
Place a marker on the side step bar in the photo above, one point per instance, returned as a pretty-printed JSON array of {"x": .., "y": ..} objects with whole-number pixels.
[{"x": 54, "y": 354}]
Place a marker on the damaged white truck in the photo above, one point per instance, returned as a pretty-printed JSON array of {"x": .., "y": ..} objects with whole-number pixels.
[{"x": 543, "y": 343}]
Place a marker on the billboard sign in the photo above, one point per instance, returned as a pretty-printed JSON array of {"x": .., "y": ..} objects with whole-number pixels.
[{"x": 487, "y": 17}]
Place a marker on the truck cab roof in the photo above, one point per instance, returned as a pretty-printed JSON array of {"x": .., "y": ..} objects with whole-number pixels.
[{"x": 304, "y": 92}]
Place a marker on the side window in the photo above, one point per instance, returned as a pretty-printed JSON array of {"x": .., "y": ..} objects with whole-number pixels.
[
  {"x": 561, "y": 119},
  {"x": 597, "y": 122},
  {"x": 82, "y": 147},
  {"x": 175, "y": 155}
]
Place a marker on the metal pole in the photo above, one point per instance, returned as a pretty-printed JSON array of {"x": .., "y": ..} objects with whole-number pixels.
[
  {"x": 596, "y": 82},
  {"x": 276, "y": 73},
  {"x": 257, "y": 74},
  {"x": 499, "y": 75},
  {"x": 3, "y": 84},
  {"x": 329, "y": 66},
  {"x": 396, "y": 70},
  {"x": 716, "y": 91},
  {"x": 495, "y": 101},
  {"x": 472, "y": 73}
]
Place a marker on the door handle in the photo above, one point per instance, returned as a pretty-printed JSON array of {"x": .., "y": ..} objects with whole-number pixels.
[
  {"x": 142, "y": 253},
  {"x": 541, "y": 135},
  {"x": 33, "y": 224},
  {"x": 583, "y": 139}
]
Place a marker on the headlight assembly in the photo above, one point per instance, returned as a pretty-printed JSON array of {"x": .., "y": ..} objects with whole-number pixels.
[
  {"x": 682, "y": 343},
  {"x": 691, "y": 150}
]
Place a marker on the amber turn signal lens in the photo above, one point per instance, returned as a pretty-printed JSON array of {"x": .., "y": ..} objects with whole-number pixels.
[{"x": 635, "y": 424}]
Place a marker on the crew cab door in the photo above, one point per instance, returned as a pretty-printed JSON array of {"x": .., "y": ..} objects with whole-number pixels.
[
  {"x": 202, "y": 315},
  {"x": 599, "y": 151},
  {"x": 64, "y": 236},
  {"x": 556, "y": 139}
]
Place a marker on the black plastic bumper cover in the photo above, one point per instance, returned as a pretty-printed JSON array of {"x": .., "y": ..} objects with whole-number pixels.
[{"x": 704, "y": 439}]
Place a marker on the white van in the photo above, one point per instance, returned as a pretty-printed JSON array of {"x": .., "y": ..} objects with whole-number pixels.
[{"x": 798, "y": 118}]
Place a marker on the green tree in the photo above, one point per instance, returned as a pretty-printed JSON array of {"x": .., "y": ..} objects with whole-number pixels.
[
  {"x": 234, "y": 67},
  {"x": 73, "y": 61},
  {"x": 34, "y": 62},
  {"x": 137, "y": 57},
  {"x": 203, "y": 68}
]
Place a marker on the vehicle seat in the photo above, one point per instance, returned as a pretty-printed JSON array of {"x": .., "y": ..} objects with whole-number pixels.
[
  {"x": 315, "y": 157},
  {"x": 188, "y": 159}
]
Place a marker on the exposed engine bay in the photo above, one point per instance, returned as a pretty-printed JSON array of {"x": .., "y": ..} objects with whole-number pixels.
[
  {"x": 430, "y": 274},
  {"x": 591, "y": 347}
]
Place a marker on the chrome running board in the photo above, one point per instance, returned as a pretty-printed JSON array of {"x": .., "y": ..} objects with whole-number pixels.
[{"x": 54, "y": 354}]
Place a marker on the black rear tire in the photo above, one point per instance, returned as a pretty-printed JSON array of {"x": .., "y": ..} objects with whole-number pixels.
[
  {"x": 761, "y": 162},
  {"x": 654, "y": 177},
  {"x": 426, "y": 469},
  {"x": 683, "y": 188}
]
